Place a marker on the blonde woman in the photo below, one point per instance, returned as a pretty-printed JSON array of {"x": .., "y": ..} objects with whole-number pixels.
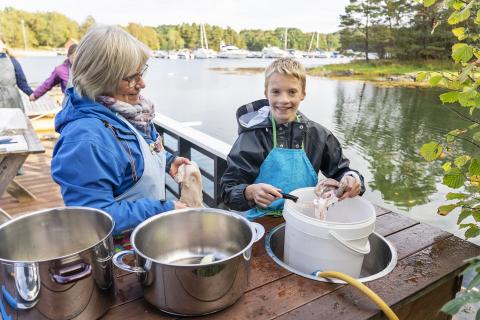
[{"x": 109, "y": 155}]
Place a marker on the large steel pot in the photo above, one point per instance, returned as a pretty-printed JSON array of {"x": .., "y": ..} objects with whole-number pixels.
[
  {"x": 169, "y": 249},
  {"x": 57, "y": 264}
]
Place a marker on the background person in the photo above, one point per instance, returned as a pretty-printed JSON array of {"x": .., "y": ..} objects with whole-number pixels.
[
  {"x": 109, "y": 154},
  {"x": 279, "y": 149},
  {"x": 60, "y": 75},
  {"x": 11, "y": 77}
]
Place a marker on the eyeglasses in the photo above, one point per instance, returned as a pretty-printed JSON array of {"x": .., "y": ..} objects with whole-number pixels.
[{"x": 135, "y": 78}]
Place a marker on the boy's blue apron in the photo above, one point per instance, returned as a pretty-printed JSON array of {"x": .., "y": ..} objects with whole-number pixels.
[
  {"x": 286, "y": 169},
  {"x": 151, "y": 184}
]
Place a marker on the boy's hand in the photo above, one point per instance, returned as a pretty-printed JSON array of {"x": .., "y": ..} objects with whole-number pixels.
[
  {"x": 352, "y": 189},
  {"x": 262, "y": 194}
]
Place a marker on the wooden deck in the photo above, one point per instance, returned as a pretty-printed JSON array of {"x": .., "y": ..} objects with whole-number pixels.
[{"x": 426, "y": 276}]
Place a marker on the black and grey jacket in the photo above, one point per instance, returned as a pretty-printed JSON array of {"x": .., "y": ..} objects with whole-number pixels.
[{"x": 255, "y": 141}]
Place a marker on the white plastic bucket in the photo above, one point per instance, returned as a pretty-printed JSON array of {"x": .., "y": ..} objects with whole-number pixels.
[{"x": 338, "y": 243}]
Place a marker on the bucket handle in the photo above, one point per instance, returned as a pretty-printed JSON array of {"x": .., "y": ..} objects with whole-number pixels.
[
  {"x": 119, "y": 263},
  {"x": 364, "y": 250},
  {"x": 259, "y": 230}
]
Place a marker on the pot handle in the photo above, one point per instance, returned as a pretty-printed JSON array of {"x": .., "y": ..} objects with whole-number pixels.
[
  {"x": 118, "y": 262},
  {"x": 364, "y": 250},
  {"x": 259, "y": 230},
  {"x": 71, "y": 273},
  {"x": 3, "y": 312}
]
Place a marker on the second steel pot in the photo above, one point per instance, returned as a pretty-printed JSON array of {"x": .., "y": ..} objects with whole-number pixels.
[{"x": 169, "y": 248}]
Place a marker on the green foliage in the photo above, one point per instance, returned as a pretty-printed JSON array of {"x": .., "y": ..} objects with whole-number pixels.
[
  {"x": 52, "y": 29},
  {"x": 461, "y": 171}
]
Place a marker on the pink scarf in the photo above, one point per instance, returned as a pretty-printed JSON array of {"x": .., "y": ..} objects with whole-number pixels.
[{"x": 139, "y": 115}]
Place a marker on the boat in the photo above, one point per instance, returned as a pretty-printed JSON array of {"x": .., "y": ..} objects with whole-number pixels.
[
  {"x": 273, "y": 53},
  {"x": 184, "y": 54},
  {"x": 204, "y": 52},
  {"x": 231, "y": 52}
]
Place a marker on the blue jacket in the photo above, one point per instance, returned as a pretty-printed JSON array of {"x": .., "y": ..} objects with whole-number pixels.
[{"x": 92, "y": 167}]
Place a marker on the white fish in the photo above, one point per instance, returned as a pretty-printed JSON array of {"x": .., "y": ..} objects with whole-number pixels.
[{"x": 190, "y": 180}]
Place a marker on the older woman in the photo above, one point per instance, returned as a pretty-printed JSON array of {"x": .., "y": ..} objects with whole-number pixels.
[
  {"x": 109, "y": 155},
  {"x": 11, "y": 77}
]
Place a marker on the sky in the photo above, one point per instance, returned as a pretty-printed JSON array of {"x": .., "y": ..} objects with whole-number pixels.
[{"x": 307, "y": 15}]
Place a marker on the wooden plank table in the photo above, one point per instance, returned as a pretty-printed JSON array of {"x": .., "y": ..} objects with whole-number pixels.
[
  {"x": 426, "y": 276},
  {"x": 11, "y": 162}
]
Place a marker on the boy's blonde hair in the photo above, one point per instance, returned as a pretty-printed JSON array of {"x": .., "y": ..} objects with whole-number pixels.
[{"x": 288, "y": 67}]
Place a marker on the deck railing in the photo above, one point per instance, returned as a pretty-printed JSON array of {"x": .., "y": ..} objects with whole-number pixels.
[{"x": 209, "y": 153}]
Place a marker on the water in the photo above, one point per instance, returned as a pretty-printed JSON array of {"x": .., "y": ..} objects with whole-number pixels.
[{"x": 381, "y": 129}]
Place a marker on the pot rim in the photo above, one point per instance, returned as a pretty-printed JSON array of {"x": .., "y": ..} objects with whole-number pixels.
[
  {"x": 183, "y": 211},
  {"x": 25, "y": 216}
]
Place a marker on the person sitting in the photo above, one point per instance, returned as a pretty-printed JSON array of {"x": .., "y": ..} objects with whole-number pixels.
[
  {"x": 279, "y": 149},
  {"x": 109, "y": 155},
  {"x": 60, "y": 75}
]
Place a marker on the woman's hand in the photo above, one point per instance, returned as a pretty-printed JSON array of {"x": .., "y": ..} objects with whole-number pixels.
[
  {"x": 180, "y": 205},
  {"x": 32, "y": 97},
  {"x": 262, "y": 194},
  {"x": 176, "y": 164}
]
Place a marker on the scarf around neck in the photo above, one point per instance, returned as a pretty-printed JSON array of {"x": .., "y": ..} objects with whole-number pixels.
[{"x": 139, "y": 115}]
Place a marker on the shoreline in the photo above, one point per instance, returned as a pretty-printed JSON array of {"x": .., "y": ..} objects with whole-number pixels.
[{"x": 407, "y": 80}]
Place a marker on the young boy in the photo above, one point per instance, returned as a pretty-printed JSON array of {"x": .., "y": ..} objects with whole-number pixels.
[{"x": 279, "y": 149}]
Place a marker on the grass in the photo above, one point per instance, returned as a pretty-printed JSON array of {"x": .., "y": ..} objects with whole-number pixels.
[{"x": 382, "y": 68}]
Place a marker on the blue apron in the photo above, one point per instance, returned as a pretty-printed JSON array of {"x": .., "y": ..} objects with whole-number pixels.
[{"x": 286, "y": 169}]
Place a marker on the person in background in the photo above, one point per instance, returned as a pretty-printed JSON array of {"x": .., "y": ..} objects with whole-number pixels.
[
  {"x": 60, "y": 75},
  {"x": 279, "y": 149},
  {"x": 109, "y": 155},
  {"x": 11, "y": 78}
]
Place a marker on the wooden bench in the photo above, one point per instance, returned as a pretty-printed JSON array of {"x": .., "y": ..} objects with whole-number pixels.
[{"x": 426, "y": 277}]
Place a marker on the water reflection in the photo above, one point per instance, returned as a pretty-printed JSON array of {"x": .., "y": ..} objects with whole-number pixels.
[{"x": 387, "y": 126}]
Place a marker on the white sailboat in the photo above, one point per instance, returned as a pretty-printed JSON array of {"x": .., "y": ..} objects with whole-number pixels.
[{"x": 204, "y": 52}]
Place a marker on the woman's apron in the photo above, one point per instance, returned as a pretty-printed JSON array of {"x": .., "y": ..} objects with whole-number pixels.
[
  {"x": 151, "y": 184},
  {"x": 286, "y": 169},
  {"x": 9, "y": 95}
]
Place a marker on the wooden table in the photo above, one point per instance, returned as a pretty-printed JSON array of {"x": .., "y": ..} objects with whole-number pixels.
[
  {"x": 426, "y": 276},
  {"x": 10, "y": 162}
]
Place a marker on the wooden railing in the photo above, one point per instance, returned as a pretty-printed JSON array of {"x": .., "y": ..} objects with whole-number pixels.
[{"x": 209, "y": 153}]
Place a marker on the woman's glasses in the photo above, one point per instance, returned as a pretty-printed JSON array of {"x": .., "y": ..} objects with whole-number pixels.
[{"x": 135, "y": 78}]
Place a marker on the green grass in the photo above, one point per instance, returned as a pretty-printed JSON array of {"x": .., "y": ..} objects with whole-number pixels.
[{"x": 387, "y": 67}]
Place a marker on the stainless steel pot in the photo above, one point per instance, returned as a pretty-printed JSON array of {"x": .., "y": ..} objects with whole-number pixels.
[
  {"x": 169, "y": 249},
  {"x": 57, "y": 264}
]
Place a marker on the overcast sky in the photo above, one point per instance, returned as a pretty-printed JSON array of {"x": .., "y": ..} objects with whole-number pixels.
[{"x": 308, "y": 15}]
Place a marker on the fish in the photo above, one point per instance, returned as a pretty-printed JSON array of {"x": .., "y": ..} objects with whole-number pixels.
[
  {"x": 326, "y": 196},
  {"x": 191, "y": 189}
]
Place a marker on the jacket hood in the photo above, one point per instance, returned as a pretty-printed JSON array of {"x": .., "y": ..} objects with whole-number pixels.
[
  {"x": 76, "y": 107},
  {"x": 253, "y": 115}
]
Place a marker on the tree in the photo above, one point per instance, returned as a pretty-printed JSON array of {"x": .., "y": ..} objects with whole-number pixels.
[
  {"x": 361, "y": 14},
  {"x": 461, "y": 170}
]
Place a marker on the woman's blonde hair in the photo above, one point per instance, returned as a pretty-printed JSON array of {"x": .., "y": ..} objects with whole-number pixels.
[
  {"x": 104, "y": 56},
  {"x": 287, "y": 67}
]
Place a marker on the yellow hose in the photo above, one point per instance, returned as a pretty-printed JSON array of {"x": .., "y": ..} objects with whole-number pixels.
[{"x": 363, "y": 288}]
